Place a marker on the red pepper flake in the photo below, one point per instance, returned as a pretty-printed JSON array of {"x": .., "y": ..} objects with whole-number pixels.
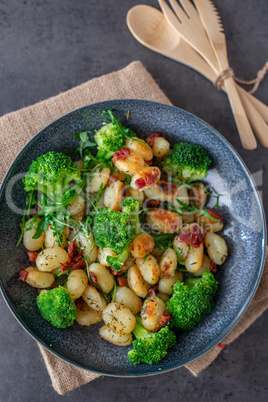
[
  {"x": 220, "y": 345},
  {"x": 148, "y": 179},
  {"x": 195, "y": 238},
  {"x": 151, "y": 139},
  {"x": 23, "y": 275},
  {"x": 32, "y": 255},
  {"x": 214, "y": 214},
  {"x": 121, "y": 154}
]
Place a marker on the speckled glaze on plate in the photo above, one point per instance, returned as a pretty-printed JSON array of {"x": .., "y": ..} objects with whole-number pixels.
[{"x": 244, "y": 232}]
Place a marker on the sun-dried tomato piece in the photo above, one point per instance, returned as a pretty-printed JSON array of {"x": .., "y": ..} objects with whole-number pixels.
[
  {"x": 80, "y": 303},
  {"x": 23, "y": 275},
  {"x": 213, "y": 267},
  {"x": 93, "y": 278},
  {"x": 151, "y": 139},
  {"x": 122, "y": 281},
  {"x": 32, "y": 255},
  {"x": 164, "y": 319},
  {"x": 152, "y": 291},
  {"x": 148, "y": 179},
  {"x": 72, "y": 250},
  {"x": 121, "y": 154},
  {"x": 214, "y": 214},
  {"x": 195, "y": 238}
]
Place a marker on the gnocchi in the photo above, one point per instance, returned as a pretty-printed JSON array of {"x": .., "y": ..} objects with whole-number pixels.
[
  {"x": 119, "y": 318},
  {"x": 86, "y": 316},
  {"x": 105, "y": 279},
  {"x": 113, "y": 337},
  {"x": 168, "y": 263},
  {"x": 99, "y": 178},
  {"x": 113, "y": 195},
  {"x": 216, "y": 248},
  {"x": 28, "y": 241},
  {"x": 152, "y": 310},
  {"x": 149, "y": 268},
  {"x": 136, "y": 281},
  {"x": 128, "y": 298},
  {"x": 142, "y": 245},
  {"x": 77, "y": 283},
  {"x": 164, "y": 221},
  {"x": 94, "y": 299},
  {"x": 37, "y": 279},
  {"x": 51, "y": 258}
]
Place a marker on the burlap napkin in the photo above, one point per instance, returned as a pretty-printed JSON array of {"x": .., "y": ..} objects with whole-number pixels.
[{"x": 18, "y": 127}]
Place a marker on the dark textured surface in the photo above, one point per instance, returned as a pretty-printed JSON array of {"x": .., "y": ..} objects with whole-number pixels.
[
  {"x": 50, "y": 46},
  {"x": 244, "y": 233}
]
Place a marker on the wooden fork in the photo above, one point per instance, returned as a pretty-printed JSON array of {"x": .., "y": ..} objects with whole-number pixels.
[{"x": 188, "y": 24}]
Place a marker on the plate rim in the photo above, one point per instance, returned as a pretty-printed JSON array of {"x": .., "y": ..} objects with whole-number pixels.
[{"x": 242, "y": 311}]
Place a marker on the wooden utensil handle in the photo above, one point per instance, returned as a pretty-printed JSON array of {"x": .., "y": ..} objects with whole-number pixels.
[
  {"x": 258, "y": 105},
  {"x": 246, "y": 134},
  {"x": 257, "y": 122}
]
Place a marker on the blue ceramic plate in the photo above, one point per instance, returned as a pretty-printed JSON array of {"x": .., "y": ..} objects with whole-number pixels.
[{"x": 244, "y": 232}]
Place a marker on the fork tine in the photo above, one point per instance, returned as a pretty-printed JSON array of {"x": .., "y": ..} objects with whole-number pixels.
[
  {"x": 175, "y": 22},
  {"x": 178, "y": 10},
  {"x": 189, "y": 8}
]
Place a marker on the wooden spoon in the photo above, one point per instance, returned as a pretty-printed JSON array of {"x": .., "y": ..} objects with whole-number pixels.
[{"x": 149, "y": 26}]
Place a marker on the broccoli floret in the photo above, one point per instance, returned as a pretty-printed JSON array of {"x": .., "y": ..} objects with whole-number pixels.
[
  {"x": 117, "y": 261},
  {"x": 111, "y": 229},
  {"x": 57, "y": 307},
  {"x": 150, "y": 347},
  {"x": 112, "y": 136},
  {"x": 51, "y": 173},
  {"x": 188, "y": 305},
  {"x": 131, "y": 206},
  {"x": 188, "y": 161}
]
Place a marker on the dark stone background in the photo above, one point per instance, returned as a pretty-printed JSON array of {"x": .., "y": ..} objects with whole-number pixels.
[{"x": 50, "y": 46}]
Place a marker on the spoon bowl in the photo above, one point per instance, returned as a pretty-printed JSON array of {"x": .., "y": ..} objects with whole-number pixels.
[{"x": 148, "y": 25}]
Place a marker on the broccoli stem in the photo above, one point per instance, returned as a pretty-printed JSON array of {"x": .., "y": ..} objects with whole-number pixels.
[
  {"x": 139, "y": 331},
  {"x": 103, "y": 155},
  {"x": 191, "y": 282},
  {"x": 135, "y": 222},
  {"x": 124, "y": 256}
]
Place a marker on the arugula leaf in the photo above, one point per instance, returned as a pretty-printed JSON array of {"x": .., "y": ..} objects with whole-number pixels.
[
  {"x": 179, "y": 256},
  {"x": 217, "y": 196},
  {"x": 30, "y": 202},
  {"x": 85, "y": 143},
  {"x": 163, "y": 241},
  {"x": 180, "y": 182},
  {"x": 192, "y": 208},
  {"x": 128, "y": 180}
]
